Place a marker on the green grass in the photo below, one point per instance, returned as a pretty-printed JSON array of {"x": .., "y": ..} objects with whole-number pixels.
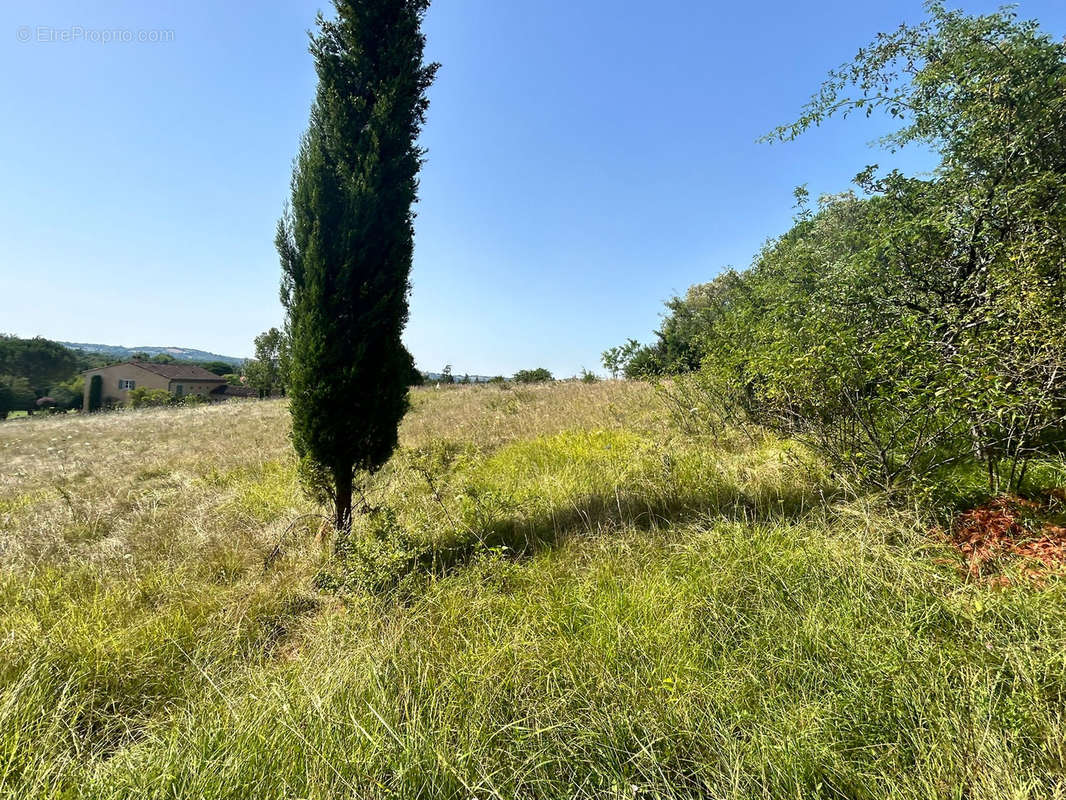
[{"x": 601, "y": 605}]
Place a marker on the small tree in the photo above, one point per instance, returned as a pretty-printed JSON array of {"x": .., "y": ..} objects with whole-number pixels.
[
  {"x": 96, "y": 387},
  {"x": 268, "y": 371},
  {"x": 346, "y": 244},
  {"x": 615, "y": 359},
  {"x": 538, "y": 375}
]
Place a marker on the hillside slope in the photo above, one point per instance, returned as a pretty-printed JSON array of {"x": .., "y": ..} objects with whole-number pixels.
[
  {"x": 178, "y": 353},
  {"x": 560, "y": 592}
]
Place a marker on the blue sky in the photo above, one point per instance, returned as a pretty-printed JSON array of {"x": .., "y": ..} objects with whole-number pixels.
[{"x": 588, "y": 159}]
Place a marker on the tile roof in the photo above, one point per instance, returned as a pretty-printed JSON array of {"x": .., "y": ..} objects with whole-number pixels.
[
  {"x": 225, "y": 390},
  {"x": 186, "y": 372}
]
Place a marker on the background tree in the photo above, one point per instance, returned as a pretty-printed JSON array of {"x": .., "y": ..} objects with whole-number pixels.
[
  {"x": 538, "y": 375},
  {"x": 68, "y": 394},
  {"x": 41, "y": 362},
  {"x": 920, "y": 327},
  {"x": 968, "y": 268},
  {"x": 268, "y": 371},
  {"x": 220, "y": 368},
  {"x": 615, "y": 358},
  {"x": 15, "y": 395},
  {"x": 346, "y": 242}
]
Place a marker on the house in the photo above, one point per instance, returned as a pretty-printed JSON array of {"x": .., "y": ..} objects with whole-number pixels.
[{"x": 118, "y": 380}]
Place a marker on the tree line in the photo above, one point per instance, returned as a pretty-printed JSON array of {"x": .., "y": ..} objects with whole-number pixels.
[{"x": 910, "y": 326}]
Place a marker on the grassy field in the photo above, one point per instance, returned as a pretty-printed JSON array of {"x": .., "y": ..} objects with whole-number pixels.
[{"x": 560, "y": 591}]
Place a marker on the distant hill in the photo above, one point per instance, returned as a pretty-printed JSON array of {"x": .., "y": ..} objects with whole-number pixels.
[{"x": 177, "y": 353}]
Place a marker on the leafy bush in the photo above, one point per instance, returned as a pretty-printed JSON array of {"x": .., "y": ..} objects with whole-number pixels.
[
  {"x": 922, "y": 326},
  {"x": 375, "y": 555},
  {"x": 147, "y": 398},
  {"x": 538, "y": 375}
]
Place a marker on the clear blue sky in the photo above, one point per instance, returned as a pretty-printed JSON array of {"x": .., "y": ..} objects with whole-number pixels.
[{"x": 587, "y": 160}]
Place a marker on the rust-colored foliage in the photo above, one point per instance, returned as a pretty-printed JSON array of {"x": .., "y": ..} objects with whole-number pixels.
[{"x": 1011, "y": 526}]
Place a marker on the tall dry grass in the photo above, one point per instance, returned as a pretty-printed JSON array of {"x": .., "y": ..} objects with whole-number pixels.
[{"x": 631, "y": 608}]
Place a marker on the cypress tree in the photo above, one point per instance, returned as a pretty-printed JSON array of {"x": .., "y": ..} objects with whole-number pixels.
[
  {"x": 96, "y": 391},
  {"x": 347, "y": 239}
]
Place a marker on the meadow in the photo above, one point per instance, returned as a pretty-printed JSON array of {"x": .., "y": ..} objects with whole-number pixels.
[{"x": 554, "y": 591}]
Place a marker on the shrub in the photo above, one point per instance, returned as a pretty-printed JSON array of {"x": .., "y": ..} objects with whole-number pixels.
[
  {"x": 538, "y": 375},
  {"x": 147, "y": 398},
  {"x": 375, "y": 555},
  {"x": 921, "y": 325}
]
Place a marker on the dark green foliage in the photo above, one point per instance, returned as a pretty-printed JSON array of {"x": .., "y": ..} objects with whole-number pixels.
[
  {"x": 220, "y": 368},
  {"x": 636, "y": 360},
  {"x": 15, "y": 395},
  {"x": 346, "y": 243},
  {"x": 95, "y": 393},
  {"x": 538, "y": 375},
  {"x": 41, "y": 362},
  {"x": 87, "y": 360},
  {"x": 414, "y": 374},
  {"x": 647, "y": 361}
]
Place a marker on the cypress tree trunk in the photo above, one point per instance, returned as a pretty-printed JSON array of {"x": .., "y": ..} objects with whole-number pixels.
[
  {"x": 343, "y": 514},
  {"x": 347, "y": 241},
  {"x": 95, "y": 393}
]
